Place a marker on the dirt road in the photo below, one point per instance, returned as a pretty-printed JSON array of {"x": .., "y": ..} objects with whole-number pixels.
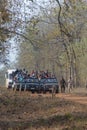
[
  {"x": 75, "y": 98},
  {"x": 21, "y": 110},
  {"x": 77, "y": 95}
]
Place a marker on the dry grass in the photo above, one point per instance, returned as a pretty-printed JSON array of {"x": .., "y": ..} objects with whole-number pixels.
[{"x": 26, "y": 111}]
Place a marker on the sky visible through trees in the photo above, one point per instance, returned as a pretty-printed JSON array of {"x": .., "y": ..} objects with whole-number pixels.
[
  {"x": 21, "y": 11},
  {"x": 51, "y": 34}
]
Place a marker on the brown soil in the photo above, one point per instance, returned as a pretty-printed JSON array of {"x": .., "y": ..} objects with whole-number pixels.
[
  {"x": 26, "y": 111},
  {"x": 74, "y": 98}
]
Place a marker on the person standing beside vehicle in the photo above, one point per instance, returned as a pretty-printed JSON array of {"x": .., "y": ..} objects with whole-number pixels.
[{"x": 62, "y": 85}]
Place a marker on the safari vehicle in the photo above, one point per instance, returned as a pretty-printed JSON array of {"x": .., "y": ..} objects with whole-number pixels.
[
  {"x": 48, "y": 84},
  {"x": 35, "y": 85}
]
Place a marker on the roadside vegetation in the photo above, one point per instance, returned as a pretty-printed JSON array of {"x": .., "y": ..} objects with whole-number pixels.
[
  {"x": 26, "y": 111},
  {"x": 47, "y": 36}
]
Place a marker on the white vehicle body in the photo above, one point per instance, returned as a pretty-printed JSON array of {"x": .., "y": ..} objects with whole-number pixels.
[{"x": 8, "y": 76}]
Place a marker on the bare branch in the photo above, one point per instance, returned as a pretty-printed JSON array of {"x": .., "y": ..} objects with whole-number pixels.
[
  {"x": 63, "y": 29},
  {"x": 6, "y": 31}
]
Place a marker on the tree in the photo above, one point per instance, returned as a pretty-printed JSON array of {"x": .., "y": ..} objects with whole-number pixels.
[
  {"x": 51, "y": 35},
  {"x": 4, "y": 19},
  {"x": 71, "y": 26}
]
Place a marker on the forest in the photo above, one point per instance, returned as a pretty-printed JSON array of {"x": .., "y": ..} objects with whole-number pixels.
[{"x": 45, "y": 35}]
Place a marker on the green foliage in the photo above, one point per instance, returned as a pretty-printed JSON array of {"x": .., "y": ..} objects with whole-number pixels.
[{"x": 51, "y": 50}]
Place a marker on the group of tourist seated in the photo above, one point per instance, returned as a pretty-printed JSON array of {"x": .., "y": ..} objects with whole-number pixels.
[{"x": 22, "y": 74}]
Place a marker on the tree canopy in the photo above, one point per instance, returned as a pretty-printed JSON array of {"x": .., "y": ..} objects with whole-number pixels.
[{"x": 53, "y": 35}]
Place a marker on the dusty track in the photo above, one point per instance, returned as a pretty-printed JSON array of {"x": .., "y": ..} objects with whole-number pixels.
[
  {"x": 77, "y": 95},
  {"x": 74, "y": 98},
  {"x": 21, "y": 110}
]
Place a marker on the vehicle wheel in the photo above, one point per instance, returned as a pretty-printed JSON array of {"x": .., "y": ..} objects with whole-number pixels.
[
  {"x": 33, "y": 92},
  {"x": 39, "y": 91},
  {"x": 57, "y": 89},
  {"x": 44, "y": 91},
  {"x": 50, "y": 91}
]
